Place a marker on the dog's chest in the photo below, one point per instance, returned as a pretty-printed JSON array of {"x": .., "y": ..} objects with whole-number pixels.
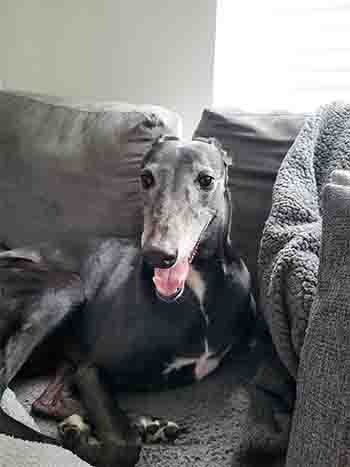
[
  {"x": 151, "y": 340},
  {"x": 197, "y": 284},
  {"x": 207, "y": 359}
]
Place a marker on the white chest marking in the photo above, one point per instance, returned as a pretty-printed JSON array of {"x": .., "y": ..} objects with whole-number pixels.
[
  {"x": 208, "y": 361},
  {"x": 203, "y": 365},
  {"x": 197, "y": 285}
]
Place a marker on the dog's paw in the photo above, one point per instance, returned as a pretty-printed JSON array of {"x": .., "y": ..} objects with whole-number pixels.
[
  {"x": 76, "y": 436},
  {"x": 155, "y": 430},
  {"x": 74, "y": 432}
]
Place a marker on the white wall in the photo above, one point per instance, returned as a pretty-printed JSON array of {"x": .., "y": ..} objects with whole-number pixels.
[{"x": 157, "y": 51}]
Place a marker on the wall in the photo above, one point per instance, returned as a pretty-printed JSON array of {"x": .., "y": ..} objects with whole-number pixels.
[{"x": 158, "y": 52}]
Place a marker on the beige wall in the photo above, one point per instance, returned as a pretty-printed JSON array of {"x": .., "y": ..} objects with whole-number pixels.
[{"x": 157, "y": 51}]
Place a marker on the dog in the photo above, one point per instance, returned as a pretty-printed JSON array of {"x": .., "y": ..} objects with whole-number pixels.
[{"x": 163, "y": 313}]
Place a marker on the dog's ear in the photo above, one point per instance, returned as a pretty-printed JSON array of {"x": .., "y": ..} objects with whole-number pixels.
[
  {"x": 228, "y": 249},
  {"x": 225, "y": 157},
  {"x": 216, "y": 143}
]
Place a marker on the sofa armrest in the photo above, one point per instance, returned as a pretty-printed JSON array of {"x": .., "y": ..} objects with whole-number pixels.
[{"x": 320, "y": 434}]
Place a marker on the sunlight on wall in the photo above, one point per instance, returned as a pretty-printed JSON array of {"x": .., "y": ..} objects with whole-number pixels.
[{"x": 271, "y": 55}]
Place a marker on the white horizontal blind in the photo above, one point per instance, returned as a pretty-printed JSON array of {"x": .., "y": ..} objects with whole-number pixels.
[{"x": 282, "y": 54}]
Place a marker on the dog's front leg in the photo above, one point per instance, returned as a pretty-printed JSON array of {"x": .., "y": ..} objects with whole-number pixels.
[{"x": 116, "y": 443}]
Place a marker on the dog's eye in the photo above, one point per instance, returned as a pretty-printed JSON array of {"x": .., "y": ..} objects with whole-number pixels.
[
  {"x": 205, "y": 181},
  {"x": 147, "y": 180}
]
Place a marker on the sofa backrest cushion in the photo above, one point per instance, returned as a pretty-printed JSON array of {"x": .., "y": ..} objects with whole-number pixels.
[
  {"x": 66, "y": 166},
  {"x": 257, "y": 144}
]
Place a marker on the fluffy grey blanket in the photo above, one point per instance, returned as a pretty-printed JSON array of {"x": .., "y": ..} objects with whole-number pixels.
[{"x": 289, "y": 254}]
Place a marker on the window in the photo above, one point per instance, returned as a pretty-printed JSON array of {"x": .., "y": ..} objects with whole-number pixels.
[{"x": 281, "y": 55}]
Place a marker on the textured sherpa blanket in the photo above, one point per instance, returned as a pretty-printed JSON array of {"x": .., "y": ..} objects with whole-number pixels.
[{"x": 289, "y": 254}]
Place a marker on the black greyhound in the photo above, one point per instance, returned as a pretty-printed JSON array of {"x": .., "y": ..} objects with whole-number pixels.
[{"x": 167, "y": 312}]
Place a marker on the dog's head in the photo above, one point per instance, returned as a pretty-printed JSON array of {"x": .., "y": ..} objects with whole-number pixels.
[{"x": 183, "y": 186}]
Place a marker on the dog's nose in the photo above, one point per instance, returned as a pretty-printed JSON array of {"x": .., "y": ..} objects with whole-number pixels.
[{"x": 159, "y": 258}]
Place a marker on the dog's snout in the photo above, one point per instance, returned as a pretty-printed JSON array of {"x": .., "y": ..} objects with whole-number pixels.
[{"x": 159, "y": 258}]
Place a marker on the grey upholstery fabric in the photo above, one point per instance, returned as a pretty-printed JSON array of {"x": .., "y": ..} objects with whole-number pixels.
[
  {"x": 257, "y": 144},
  {"x": 320, "y": 435},
  {"x": 68, "y": 166},
  {"x": 289, "y": 254}
]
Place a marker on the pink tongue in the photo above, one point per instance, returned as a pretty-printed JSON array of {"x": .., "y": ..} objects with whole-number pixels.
[{"x": 168, "y": 281}]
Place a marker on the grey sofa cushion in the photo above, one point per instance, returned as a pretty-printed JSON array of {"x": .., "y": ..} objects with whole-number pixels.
[
  {"x": 68, "y": 166},
  {"x": 257, "y": 144}
]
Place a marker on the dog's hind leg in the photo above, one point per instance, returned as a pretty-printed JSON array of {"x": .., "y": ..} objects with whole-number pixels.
[
  {"x": 34, "y": 300},
  {"x": 53, "y": 402}
]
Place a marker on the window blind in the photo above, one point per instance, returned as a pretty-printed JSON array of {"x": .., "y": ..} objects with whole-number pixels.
[{"x": 283, "y": 55}]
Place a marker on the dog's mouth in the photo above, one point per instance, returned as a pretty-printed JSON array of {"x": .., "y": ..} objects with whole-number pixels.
[{"x": 170, "y": 283}]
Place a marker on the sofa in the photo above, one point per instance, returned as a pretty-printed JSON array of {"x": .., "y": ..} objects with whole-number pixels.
[{"x": 71, "y": 167}]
